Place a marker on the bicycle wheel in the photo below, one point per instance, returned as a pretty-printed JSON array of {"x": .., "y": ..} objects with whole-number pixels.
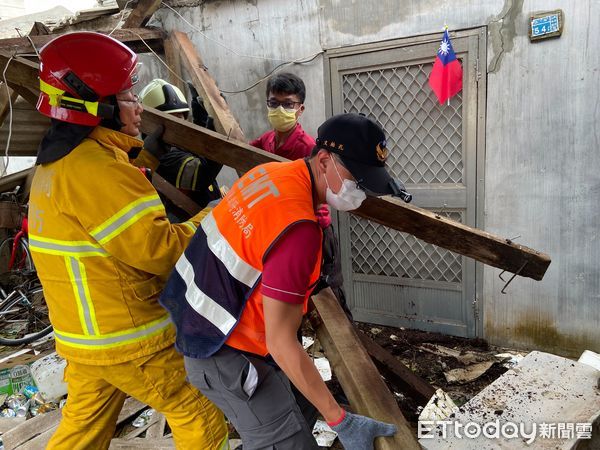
[
  {"x": 21, "y": 258},
  {"x": 24, "y": 316}
]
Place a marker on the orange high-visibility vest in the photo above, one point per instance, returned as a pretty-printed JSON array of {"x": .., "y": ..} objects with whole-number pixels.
[{"x": 214, "y": 294}]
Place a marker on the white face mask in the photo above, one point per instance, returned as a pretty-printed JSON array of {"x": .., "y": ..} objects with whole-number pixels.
[{"x": 348, "y": 198}]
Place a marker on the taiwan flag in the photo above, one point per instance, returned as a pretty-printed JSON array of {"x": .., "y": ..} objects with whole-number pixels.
[{"x": 446, "y": 75}]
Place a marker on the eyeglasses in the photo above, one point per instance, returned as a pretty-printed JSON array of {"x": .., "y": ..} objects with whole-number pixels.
[
  {"x": 133, "y": 102},
  {"x": 288, "y": 104}
]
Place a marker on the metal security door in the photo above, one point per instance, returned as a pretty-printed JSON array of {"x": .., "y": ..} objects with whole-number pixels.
[{"x": 392, "y": 278}]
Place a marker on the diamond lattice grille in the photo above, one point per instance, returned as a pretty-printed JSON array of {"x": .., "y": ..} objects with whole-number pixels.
[
  {"x": 424, "y": 138},
  {"x": 425, "y": 142},
  {"x": 379, "y": 250}
]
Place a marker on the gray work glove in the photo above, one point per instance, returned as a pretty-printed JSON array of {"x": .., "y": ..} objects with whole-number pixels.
[
  {"x": 154, "y": 144},
  {"x": 358, "y": 432}
]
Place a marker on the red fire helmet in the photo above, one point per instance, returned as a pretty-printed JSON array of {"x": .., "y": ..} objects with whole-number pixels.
[{"x": 78, "y": 71}]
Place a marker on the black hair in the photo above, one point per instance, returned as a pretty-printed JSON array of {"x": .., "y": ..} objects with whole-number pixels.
[{"x": 286, "y": 83}]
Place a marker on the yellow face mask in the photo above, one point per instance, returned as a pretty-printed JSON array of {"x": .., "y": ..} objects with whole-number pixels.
[{"x": 282, "y": 119}]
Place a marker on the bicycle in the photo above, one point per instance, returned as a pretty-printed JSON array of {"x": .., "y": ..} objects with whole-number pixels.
[
  {"x": 23, "y": 314},
  {"x": 23, "y": 311}
]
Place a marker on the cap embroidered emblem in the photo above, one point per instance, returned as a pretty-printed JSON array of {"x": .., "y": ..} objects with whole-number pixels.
[{"x": 382, "y": 151}]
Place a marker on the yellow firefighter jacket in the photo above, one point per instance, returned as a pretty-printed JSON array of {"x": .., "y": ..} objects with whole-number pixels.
[{"x": 103, "y": 246}]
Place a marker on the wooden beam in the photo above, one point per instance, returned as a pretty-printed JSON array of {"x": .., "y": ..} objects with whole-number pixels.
[
  {"x": 389, "y": 211},
  {"x": 39, "y": 29},
  {"x": 141, "y": 444},
  {"x": 358, "y": 376},
  {"x": 204, "y": 83},
  {"x": 28, "y": 95},
  {"x": 141, "y": 13},
  {"x": 157, "y": 429},
  {"x": 7, "y": 97},
  {"x": 130, "y": 37},
  {"x": 9, "y": 182},
  {"x": 31, "y": 428},
  {"x": 19, "y": 71},
  {"x": 173, "y": 60},
  {"x": 178, "y": 198},
  {"x": 454, "y": 236},
  {"x": 204, "y": 142},
  {"x": 430, "y": 227},
  {"x": 393, "y": 370}
]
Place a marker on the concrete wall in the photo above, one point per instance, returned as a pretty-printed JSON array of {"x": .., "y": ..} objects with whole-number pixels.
[{"x": 541, "y": 171}]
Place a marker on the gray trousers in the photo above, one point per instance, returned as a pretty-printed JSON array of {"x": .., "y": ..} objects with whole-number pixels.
[{"x": 255, "y": 396}]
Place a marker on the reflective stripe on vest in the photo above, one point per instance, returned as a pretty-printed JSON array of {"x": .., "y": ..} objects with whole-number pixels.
[
  {"x": 111, "y": 340},
  {"x": 81, "y": 291},
  {"x": 236, "y": 266},
  {"x": 126, "y": 217},
  {"x": 65, "y": 248},
  {"x": 202, "y": 303}
]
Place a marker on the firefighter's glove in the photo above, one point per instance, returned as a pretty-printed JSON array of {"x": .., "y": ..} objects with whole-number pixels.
[
  {"x": 358, "y": 432},
  {"x": 200, "y": 115},
  {"x": 154, "y": 144}
]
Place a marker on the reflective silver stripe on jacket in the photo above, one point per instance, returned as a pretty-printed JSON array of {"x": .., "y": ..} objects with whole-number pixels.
[
  {"x": 65, "y": 248},
  {"x": 81, "y": 295},
  {"x": 135, "y": 335},
  {"x": 202, "y": 303},
  {"x": 121, "y": 219}
]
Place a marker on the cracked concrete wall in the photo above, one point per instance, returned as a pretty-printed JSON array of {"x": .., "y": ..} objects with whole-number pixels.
[
  {"x": 541, "y": 166},
  {"x": 542, "y": 176}
]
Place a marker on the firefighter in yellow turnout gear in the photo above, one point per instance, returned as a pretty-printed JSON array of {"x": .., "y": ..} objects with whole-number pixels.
[{"x": 103, "y": 246}]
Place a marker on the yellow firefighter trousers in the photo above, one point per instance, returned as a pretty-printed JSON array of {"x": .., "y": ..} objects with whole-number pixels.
[{"x": 96, "y": 395}]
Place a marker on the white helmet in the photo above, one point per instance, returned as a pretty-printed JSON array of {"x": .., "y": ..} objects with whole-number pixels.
[{"x": 164, "y": 96}]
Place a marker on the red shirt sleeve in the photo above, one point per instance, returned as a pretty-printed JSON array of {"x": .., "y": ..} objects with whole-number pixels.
[
  {"x": 290, "y": 263},
  {"x": 257, "y": 142}
]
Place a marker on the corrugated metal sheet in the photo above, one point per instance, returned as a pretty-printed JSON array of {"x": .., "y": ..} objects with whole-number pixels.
[{"x": 28, "y": 128}]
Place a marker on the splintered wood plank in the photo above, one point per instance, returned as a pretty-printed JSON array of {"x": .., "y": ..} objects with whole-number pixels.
[
  {"x": 225, "y": 122},
  {"x": 395, "y": 371},
  {"x": 358, "y": 376},
  {"x": 38, "y": 442},
  {"x": 157, "y": 429},
  {"x": 130, "y": 408},
  {"x": 141, "y": 13},
  {"x": 32, "y": 428},
  {"x": 37, "y": 431},
  {"x": 8, "y": 423},
  {"x": 131, "y": 37},
  {"x": 421, "y": 223}
]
